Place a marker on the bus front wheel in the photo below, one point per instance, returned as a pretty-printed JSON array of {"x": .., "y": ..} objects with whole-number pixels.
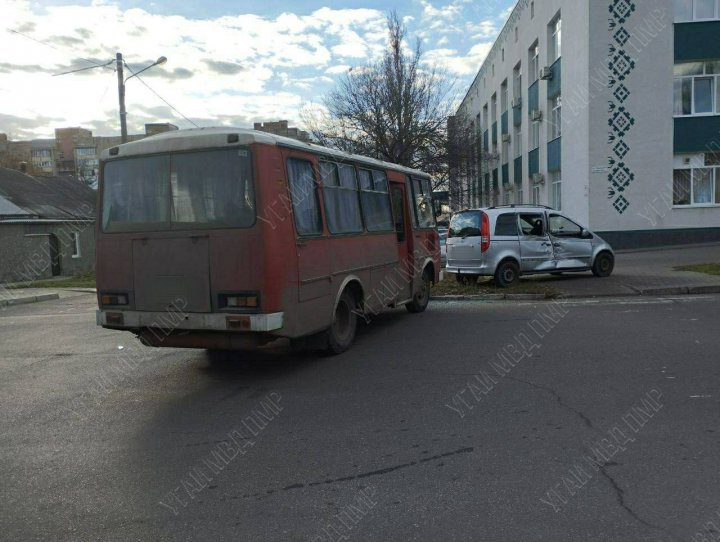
[{"x": 341, "y": 333}]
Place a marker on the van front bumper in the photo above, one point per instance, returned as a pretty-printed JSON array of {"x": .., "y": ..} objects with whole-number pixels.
[{"x": 117, "y": 319}]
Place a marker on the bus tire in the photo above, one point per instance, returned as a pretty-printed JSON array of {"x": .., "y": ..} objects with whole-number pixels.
[
  {"x": 341, "y": 333},
  {"x": 421, "y": 298}
]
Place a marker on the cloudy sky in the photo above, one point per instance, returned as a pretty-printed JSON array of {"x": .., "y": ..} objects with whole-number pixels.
[{"x": 229, "y": 62}]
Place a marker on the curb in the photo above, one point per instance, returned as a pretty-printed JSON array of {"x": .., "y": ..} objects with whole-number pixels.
[
  {"x": 638, "y": 292},
  {"x": 28, "y": 299}
]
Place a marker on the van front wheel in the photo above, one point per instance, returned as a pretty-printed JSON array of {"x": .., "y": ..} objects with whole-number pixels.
[{"x": 507, "y": 274}]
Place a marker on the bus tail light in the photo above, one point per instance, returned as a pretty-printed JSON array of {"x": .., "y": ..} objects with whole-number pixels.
[
  {"x": 240, "y": 301},
  {"x": 114, "y": 299},
  {"x": 485, "y": 233}
]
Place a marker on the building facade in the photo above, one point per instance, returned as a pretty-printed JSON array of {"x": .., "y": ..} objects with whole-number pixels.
[{"x": 608, "y": 110}]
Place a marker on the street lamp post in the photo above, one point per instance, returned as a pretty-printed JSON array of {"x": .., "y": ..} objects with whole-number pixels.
[{"x": 121, "y": 90}]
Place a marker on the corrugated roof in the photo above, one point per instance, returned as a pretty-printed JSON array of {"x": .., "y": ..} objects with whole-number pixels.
[{"x": 44, "y": 197}]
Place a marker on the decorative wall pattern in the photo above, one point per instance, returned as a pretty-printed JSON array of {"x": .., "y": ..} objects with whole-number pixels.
[{"x": 620, "y": 120}]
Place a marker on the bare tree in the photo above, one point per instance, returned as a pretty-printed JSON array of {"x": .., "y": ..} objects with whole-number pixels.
[{"x": 395, "y": 109}]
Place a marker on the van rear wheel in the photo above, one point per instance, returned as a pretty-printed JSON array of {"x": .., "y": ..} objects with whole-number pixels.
[
  {"x": 341, "y": 333},
  {"x": 507, "y": 274}
]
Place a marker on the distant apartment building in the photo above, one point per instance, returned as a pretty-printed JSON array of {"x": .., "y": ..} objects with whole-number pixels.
[
  {"x": 43, "y": 156},
  {"x": 73, "y": 152},
  {"x": 608, "y": 110},
  {"x": 281, "y": 128}
]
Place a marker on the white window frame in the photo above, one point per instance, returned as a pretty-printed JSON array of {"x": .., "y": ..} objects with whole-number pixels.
[
  {"x": 76, "y": 252},
  {"x": 534, "y": 63},
  {"x": 714, "y": 92},
  {"x": 556, "y": 190},
  {"x": 504, "y": 96},
  {"x": 517, "y": 81},
  {"x": 555, "y": 120},
  {"x": 555, "y": 45},
  {"x": 534, "y": 139},
  {"x": 536, "y": 195},
  {"x": 517, "y": 142},
  {"x": 691, "y": 199},
  {"x": 695, "y": 17}
]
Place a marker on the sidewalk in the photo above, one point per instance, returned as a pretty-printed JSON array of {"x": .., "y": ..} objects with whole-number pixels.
[
  {"x": 23, "y": 296},
  {"x": 644, "y": 272}
]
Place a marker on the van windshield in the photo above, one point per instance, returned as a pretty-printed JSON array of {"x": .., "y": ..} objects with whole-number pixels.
[
  {"x": 181, "y": 191},
  {"x": 465, "y": 224}
]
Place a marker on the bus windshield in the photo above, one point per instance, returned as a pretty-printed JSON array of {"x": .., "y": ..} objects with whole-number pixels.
[{"x": 182, "y": 191}]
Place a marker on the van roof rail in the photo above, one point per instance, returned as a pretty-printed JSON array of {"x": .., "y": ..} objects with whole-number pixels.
[{"x": 516, "y": 205}]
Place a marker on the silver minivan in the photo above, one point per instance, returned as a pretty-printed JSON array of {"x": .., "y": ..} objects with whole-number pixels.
[{"x": 508, "y": 241}]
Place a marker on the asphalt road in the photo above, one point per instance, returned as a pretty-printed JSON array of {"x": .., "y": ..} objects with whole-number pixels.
[{"x": 600, "y": 421}]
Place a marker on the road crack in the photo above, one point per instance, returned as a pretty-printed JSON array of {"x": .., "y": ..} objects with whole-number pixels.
[
  {"x": 620, "y": 495},
  {"x": 559, "y": 399}
]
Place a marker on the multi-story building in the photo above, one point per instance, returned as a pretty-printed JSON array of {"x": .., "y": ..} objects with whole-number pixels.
[
  {"x": 606, "y": 109},
  {"x": 43, "y": 153}
]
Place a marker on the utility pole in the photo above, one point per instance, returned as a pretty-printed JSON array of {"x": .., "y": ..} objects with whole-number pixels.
[{"x": 121, "y": 97}]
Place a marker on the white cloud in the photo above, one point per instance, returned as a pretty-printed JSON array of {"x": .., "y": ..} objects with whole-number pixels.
[
  {"x": 460, "y": 65},
  {"x": 227, "y": 67}
]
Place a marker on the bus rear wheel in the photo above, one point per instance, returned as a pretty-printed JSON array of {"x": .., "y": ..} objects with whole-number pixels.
[
  {"x": 341, "y": 333},
  {"x": 421, "y": 298}
]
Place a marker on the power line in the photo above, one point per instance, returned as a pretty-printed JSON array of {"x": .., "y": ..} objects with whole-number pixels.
[
  {"x": 158, "y": 95},
  {"x": 46, "y": 44}
]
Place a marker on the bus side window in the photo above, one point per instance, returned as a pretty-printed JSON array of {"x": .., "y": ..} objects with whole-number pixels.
[{"x": 303, "y": 190}]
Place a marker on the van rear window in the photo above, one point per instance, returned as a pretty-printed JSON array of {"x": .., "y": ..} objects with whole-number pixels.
[
  {"x": 465, "y": 224},
  {"x": 506, "y": 225}
]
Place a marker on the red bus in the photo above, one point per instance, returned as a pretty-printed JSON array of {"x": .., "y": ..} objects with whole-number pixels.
[{"x": 227, "y": 239}]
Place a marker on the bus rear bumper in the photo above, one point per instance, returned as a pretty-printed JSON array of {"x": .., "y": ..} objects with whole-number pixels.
[{"x": 133, "y": 320}]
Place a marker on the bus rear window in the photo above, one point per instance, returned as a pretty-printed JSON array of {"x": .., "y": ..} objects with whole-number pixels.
[
  {"x": 195, "y": 190},
  {"x": 465, "y": 224}
]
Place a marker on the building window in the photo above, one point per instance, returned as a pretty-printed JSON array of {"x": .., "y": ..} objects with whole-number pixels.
[
  {"x": 519, "y": 196},
  {"x": 517, "y": 33},
  {"x": 534, "y": 142},
  {"x": 697, "y": 186},
  {"x": 504, "y": 96},
  {"x": 505, "y": 153},
  {"x": 534, "y": 63},
  {"x": 517, "y": 82},
  {"x": 517, "y": 142},
  {"x": 493, "y": 108},
  {"x": 532, "y": 10},
  {"x": 555, "y": 41},
  {"x": 555, "y": 121},
  {"x": 556, "y": 185},
  {"x": 76, "y": 244},
  {"x": 697, "y": 88},
  {"x": 536, "y": 199},
  {"x": 696, "y": 10}
]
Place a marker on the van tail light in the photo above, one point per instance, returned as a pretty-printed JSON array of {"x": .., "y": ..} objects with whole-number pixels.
[{"x": 485, "y": 233}]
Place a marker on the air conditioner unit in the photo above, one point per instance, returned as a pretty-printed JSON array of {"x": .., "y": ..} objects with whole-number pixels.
[
  {"x": 506, "y": 138},
  {"x": 536, "y": 115},
  {"x": 517, "y": 103},
  {"x": 546, "y": 73},
  {"x": 538, "y": 178}
]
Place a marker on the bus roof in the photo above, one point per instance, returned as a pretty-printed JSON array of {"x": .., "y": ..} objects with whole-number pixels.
[{"x": 203, "y": 138}]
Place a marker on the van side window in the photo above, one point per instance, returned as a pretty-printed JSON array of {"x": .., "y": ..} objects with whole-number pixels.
[
  {"x": 506, "y": 225},
  {"x": 561, "y": 226},
  {"x": 531, "y": 224},
  {"x": 306, "y": 208}
]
